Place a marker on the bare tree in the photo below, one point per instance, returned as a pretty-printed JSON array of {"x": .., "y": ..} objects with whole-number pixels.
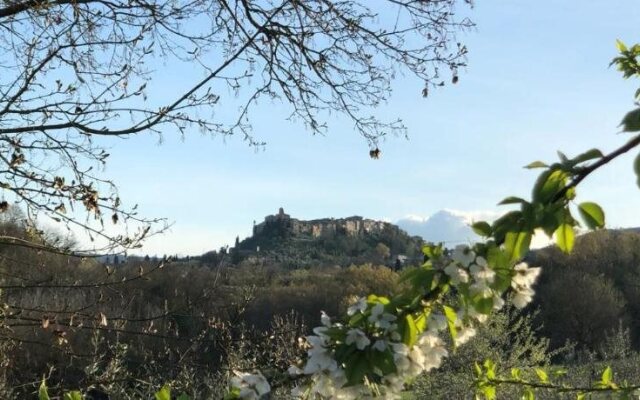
[{"x": 75, "y": 71}]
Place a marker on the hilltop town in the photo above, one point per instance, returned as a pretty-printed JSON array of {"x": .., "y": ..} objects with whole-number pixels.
[
  {"x": 327, "y": 241},
  {"x": 350, "y": 226}
]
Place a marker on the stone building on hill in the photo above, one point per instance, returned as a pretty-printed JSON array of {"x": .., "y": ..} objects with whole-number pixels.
[{"x": 351, "y": 226}]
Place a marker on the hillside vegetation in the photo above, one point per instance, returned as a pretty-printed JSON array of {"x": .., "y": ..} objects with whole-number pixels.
[{"x": 103, "y": 328}]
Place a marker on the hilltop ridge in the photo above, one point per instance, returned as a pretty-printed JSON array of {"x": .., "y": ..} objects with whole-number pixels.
[
  {"x": 282, "y": 239},
  {"x": 350, "y": 226}
]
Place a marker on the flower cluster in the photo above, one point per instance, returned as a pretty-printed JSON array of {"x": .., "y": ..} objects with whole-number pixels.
[
  {"x": 521, "y": 283},
  {"x": 474, "y": 273},
  {"x": 375, "y": 334}
]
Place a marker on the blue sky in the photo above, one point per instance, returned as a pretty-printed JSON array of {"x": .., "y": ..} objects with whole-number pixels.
[{"x": 538, "y": 80}]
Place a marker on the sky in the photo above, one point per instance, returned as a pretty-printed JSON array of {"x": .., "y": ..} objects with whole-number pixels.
[{"x": 538, "y": 80}]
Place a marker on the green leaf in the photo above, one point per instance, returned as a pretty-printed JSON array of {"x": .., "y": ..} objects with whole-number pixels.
[
  {"x": 502, "y": 280},
  {"x": 542, "y": 375},
  {"x": 432, "y": 251},
  {"x": 512, "y": 200},
  {"x": 631, "y": 121},
  {"x": 356, "y": 368},
  {"x": 552, "y": 216},
  {"x": 423, "y": 278},
  {"x": 410, "y": 330},
  {"x": 588, "y": 155},
  {"x": 183, "y": 396},
  {"x": 549, "y": 183},
  {"x": 563, "y": 158},
  {"x": 559, "y": 372},
  {"x": 482, "y": 228},
  {"x": 517, "y": 244},
  {"x": 43, "y": 394},
  {"x": 164, "y": 393},
  {"x": 356, "y": 319},
  {"x": 536, "y": 164},
  {"x": 497, "y": 258},
  {"x": 620, "y": 46},
  {"x": 489, "y": 392},
  {"x": 528, "y": 394},
  {"x": 570, "y": 193},
  {"x": 592, "y": 215},
  {"x": 344, "y": 351},
  {"x": 382, "y": 361},
  {"x": 421, "y": 321},
  {"x": 74, "y": 395},
  {"x": 451, "y": 315},
  {"x": 565, "y": 237},
  {"x": 490, "y": 367},
  {"x": 233, "y": 394},
  {"x": 484, "y": 305},
  {"x": 477, "y": 370},
  {"x": 508, "y": 222},
  {"x": 607, "y": 376}
]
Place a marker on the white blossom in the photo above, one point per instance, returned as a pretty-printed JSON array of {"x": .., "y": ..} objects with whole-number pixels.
[
  {"x": 433, "y": 349},
  {"x": 523, "y": 297},
  {"x": 437, "y": 322},
  {"x": 482, "y": 273},
  {"x": 400, "y": 356},
  {"x": 320, "y": 358},
  {"x": 521, "y": 283},
  {"x": 457, "y": 274},
  {"x": 464, "y": 335},
  {"x": 358, "y": 337},
  {"x": 359, "y": 306},
  {"x": 481, "y": 261},
  {"x": 481, "y": 289},
  {"x": 525, "y": 276},
  {"x": 480, "y": 317},
  {"x": 252, "y": 386},
  {"x": 463, "y": 254},
  {"x": 381, "y": 319},
  {"x": 324, "y": 319},
  {"x": 380, "y": 345}
]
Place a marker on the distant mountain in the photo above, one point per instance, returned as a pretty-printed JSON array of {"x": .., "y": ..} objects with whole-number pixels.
[
  {"x": 281, "y": 239},
  {"x": 448, "y": 226},
  {"x": 453, "y": 227}
]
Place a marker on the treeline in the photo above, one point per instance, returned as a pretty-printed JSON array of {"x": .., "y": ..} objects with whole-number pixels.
[
  {"x": 587, "y": 296},
  {"x": 126, "y": 329}
]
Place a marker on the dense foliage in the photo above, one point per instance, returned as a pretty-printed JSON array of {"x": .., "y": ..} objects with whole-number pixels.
[{"x": 604, "y": 276}]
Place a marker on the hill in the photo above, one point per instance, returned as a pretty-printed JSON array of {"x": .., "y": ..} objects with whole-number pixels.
[
  {"x": 290, "y": 242},
  {"x": 589, "y": 295}
]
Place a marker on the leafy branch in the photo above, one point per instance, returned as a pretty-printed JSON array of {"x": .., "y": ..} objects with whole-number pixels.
[{"x": 488, "y": 380}]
